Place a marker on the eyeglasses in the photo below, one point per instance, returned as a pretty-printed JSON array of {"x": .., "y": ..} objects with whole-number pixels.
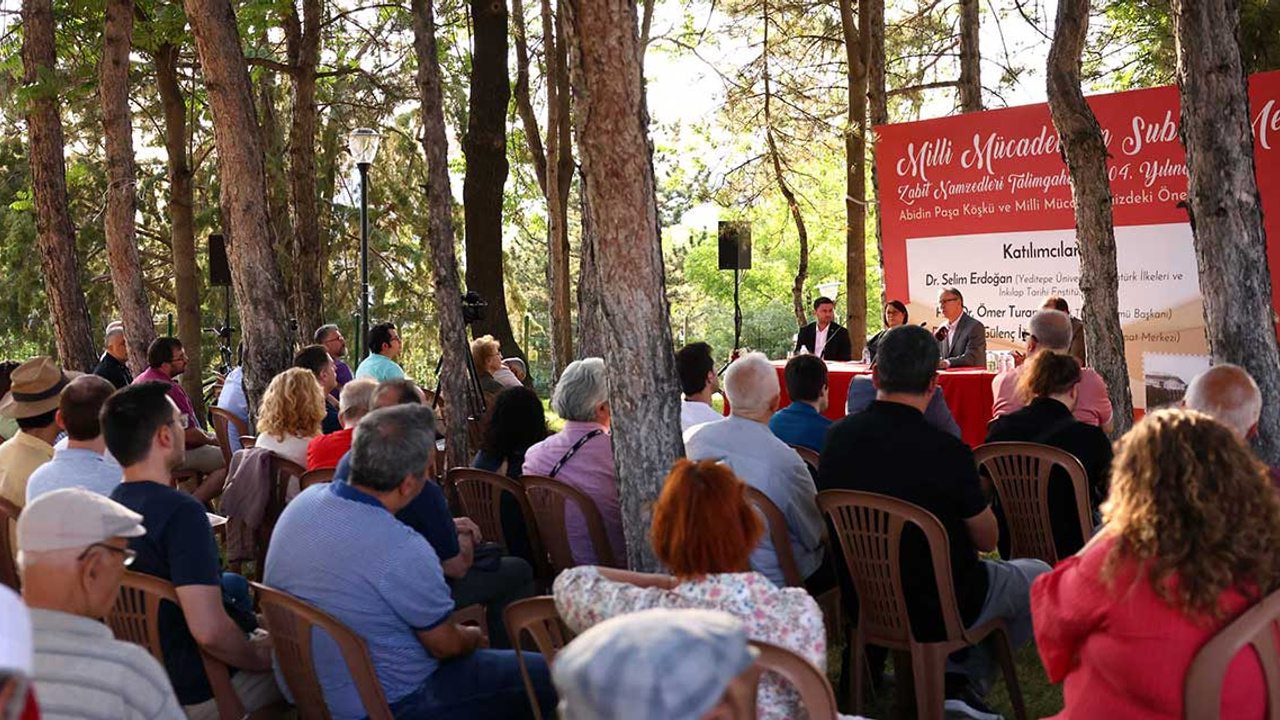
[
  {"x": 944, "y": 301},
  {"x": 129, "y": 555},
  {"x": 184, "y": 421}
]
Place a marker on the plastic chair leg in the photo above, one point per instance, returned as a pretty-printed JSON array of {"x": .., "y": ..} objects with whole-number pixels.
[
  {"x": 857, "y": 660},
  {"x": 1004, "y": 655},
  {"x": 928, "y": 670}
]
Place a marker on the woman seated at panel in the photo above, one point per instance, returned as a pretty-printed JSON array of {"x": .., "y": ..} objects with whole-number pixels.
[
  {"x": 581, "y": 455},
  {"x": 1192, "y": 540},
  {"x": 1051, "y": 382},
  {"x": 895, "y": 314},
  {"x": 291, "y": 413},
  {"x": 516, "y": 423},
  {"x": 704, "y": 530}
]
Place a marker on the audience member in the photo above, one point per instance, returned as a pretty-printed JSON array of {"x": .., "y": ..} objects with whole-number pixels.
[
  {"x": 962, "y": 341},
  {"x": 113, "y": 366},
  {"x": 167, "y": 360},
  {"x": 17, "y": 699},
  {"x": 143, "y": 429},
  {"x": 889, "y": 449},
  {"x": 517, "y": 367},
  {"x": 744, "y": 442},
  {"x": 862, "y": 392},
  {"x": 316, "y": 359},
  {"x": 1228, "y": 394},
  {"x": 517, "y": 422},
  {"x": 1191, "y": 540},
  {"x": 582, "y": 455},
  {"x": 384, "y": 348},
  {"x": 699, "y": 383},
  {"x": 1053, "y": 381},
  {"x": 657, "y": 665},
  {"x": 1051, "y": 332},
  {"x": 8, "y": 426},
  {"x": 233, "y": 399},
  {"x": 74, "y": 550},
  {"x": 895, "y": 314},
  {"x": 291, "y": 413},
  {"x": 325, "y": 451},
  {"x": 331, "y": 338},
  {"x": 340, "y": 548},
  {"x": 802, "y": 422},
  {"x": 494, "y": 375},
  {"x": 1077, "y": 351},
  {"x": 82, "y": 463},
  {"x": 825, "y": 337},
  {"x": 704, "y": 531},
  {"x": 33, "y": 402}
]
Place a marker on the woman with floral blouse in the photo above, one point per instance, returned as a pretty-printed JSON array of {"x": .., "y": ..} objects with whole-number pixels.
[{"x": 704, "y": 530}]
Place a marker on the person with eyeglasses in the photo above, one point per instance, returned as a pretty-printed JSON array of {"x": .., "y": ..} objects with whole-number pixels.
[
  {"x": 74, "y": 552},
  {"x": 333, "y": 341},
  {"x": 143, "y": 429},
  {"x": 384, "y": 347},
  {"x": 962, "y": 340}
]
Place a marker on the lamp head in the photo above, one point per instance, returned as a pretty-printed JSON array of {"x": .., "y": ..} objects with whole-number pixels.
[{"x": 363, "y": 144}]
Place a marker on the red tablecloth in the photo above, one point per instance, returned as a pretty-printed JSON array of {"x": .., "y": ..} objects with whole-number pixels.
[{"x": 967, "y": 391}]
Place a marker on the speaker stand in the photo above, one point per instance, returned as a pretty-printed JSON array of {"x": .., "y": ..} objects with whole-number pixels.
[{"x": 737, "y": 313}]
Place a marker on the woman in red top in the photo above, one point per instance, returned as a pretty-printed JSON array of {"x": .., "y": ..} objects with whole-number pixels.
[{"x": 1192, "y": 539}]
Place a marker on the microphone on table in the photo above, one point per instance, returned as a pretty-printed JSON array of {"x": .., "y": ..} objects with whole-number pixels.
[{"x": 940, "y": 334}]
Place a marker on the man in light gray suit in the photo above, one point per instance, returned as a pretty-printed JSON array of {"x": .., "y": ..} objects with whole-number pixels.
[{"x": 962, "y": 341}]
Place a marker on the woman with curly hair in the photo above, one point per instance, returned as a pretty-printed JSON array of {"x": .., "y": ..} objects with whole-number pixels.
[
  {"x": 291, "y": 413},
  {"x": 1192, "y": 540}
]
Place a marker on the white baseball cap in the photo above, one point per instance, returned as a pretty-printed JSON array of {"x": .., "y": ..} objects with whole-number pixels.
[{"x": 74, "y": 518}]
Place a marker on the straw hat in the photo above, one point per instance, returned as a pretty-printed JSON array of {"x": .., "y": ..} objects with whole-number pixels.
[{"x": 34, "y": 388}]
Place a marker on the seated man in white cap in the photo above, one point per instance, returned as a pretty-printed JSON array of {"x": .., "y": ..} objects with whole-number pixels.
[
  {"x": 74, "y": 548},
  {"x": 16, "y": 698},
  {"x": 655, "y": 665}
]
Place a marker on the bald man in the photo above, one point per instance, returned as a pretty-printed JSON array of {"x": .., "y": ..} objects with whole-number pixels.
[{"x": 1229, "y": 395}]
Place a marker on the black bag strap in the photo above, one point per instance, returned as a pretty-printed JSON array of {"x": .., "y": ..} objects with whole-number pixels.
[{"x": 574, "y": 451}]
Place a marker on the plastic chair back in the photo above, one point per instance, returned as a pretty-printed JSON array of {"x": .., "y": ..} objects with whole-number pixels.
[
  {"x": 1020, "y": 472},
  {"x": 809, "y": 457},
  {"x": 816, "y": 694},
  {"x": 291, "y": 623},
  {"x": 248, "y": 441},
  {"x": 135, "y": 618},
  {"x": 548, "y": 498},
  {"x": 315, "y": 477},
  {"x": 1257, "y": 628},
  {"x": 281, "y": 471},
  {"x": 536, "y": 616},
  {"x": 223, "y": 423},
  {"x": 479, "y": 493},
  {"x": 776, "y": 523},
  {"x": 8, "y": 568}
]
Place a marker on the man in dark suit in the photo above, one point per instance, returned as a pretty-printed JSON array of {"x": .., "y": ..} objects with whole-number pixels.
[
  {"x": 112, "y": 365},
  {"x": 962, "y": 341},
  {"x": 824, "y": 337}
]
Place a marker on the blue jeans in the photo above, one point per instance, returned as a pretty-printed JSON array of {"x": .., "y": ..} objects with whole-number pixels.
[
  {"x": 485, "y": 685},
  {"x": 1008, "y": 598}
]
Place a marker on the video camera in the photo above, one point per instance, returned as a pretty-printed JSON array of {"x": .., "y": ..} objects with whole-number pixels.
[{"x": 474, "y": 308}]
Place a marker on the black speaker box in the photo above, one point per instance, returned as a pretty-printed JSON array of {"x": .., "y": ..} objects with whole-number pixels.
[
  {"x": 219, "y": 270},
  {"x": 735, "y": 245}
]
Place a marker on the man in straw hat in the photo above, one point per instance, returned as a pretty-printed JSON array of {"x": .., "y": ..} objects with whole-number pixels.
[
  {"x": 33, "y": 402},
  {"x": 74, "y": 550}
]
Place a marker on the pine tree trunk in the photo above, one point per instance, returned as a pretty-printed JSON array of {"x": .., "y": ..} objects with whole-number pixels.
[
  {"x": 591, "y": 329},
  {"x": 970, "y": 57},
  {"x": 117, "y": 128},
  {"x": 855, "y": 209},
  {"x": 1226, "y": 213},
  {"x": 871, "y": 27},
  {"x": 309, "y": 269},
  {"x": 276, "y": 147},
  {"x": 444, "y": 264},
  {"x": 182, "y": 234},
  {"x": 617, "y": 161},
  {"x": 485, "y": 147},
  {"x": 55, "y": 234},
  {"x": 559, "y": 179},
  {"x": 255, "y": 275},
  {"x": 1086, "y": 157}
]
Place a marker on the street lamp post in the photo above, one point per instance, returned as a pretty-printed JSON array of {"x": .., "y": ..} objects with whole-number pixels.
[{"x": 363, "y": 144}]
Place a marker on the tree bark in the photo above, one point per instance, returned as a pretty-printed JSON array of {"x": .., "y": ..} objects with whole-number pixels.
[
  {"x": 591, "y": 328},
  {"x": 55, "y": 234},
  {"x": 617, "y": 161},
  {"x": 485, "y": 148},
  {"x": 559, "y": 180},
  {"x": 855, "y": 209},
  {"x": 117, "y": 128},
  {"x": 1223, "y": 202},
  {"x": 524, "y": 102},
  {"x": 275, "y": 146},
  {"x": 182, "y": 234},
  {"x": 970, "y": 57},
  {"x": 444, "y": 264},
  {"x": 307, "y": 289},
  {"x": 871, "y": 28},
  {"x": 255, "y": 275},
  {"x": 1086, "y": 158}
]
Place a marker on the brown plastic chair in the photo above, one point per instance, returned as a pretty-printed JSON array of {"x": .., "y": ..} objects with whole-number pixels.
[
  {"x": 538, "y": 617},
  {"x": 816, "y": 694},
  {"x": 738, "y": 702},
  {"x": 480, "y": 494},
  {"x": 1020, "y": 472},
  {"x": 291, "y": 623},
  {"x": 809, "y": 457},
  {"x": 315, "y": 477},
  {"x": 248, "y": 441},
  {"x": 8, "y": 568},
  {"x": 1257, "y": 628},
  {"x": 547, "y": 497},
  {"x": 135, "y": 618},
  {"x": 281, "y": 471},
  {"x": 221, "y": 420},
  {"x": 869, "y": 529}
]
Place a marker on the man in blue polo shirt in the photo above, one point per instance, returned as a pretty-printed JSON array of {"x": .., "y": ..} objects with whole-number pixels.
[
  {"x": 339, "y": 547},
  {"x": 802, "y": 422}
]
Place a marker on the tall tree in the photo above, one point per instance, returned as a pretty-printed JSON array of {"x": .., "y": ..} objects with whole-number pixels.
[
  {"x": 856, "y": 39},
  {"x": 617, "y": 161},
  {"x": 255, "y": 275},
  {"x": 54, "y": 232},
  {"x": 970, "y": 57},
  {"x": 591, "y": 327},
  {"x": 485, "y": 147},
  {"x": 302, "y": 41},
  {"x": 117, "y": 127},
  {"x": 1223, "y": 202},
  {"x": 181, "y": 211},
  {"x": 871, "y": 27},
  {"x": 1086, "y": 156},
  {"x": 444, "y": 264}
]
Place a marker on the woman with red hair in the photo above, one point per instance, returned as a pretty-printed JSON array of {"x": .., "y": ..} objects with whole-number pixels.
[{"x": 704, "y": 530}]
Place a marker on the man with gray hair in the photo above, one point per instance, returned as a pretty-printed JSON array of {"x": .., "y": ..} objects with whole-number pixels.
[
  {"x": 331, "y": 338},
  {"x": 1051, "y": 332},
  {"x": 324, "y": 451},
  {"x": 744, "y": 442},
  {"x": 113, "y": 365},
  {"x": 962, "y": 340},
  {"x": 1229, "y": 395},
  {"x": 340, "y": 548}
]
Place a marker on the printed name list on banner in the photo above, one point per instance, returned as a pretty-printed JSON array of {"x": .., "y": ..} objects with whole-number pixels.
[{"x": 983, "y": 202}]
